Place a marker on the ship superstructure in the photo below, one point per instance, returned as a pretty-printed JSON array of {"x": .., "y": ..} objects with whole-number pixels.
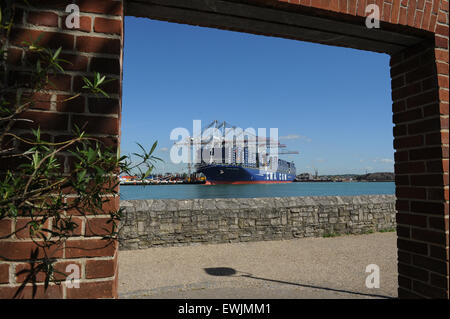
[{"x": 226, "y": 154}]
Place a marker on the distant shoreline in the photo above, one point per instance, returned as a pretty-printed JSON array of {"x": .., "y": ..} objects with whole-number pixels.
[
  {"x": 311, "y": 181},
  {"x": 329, "y": 181}
]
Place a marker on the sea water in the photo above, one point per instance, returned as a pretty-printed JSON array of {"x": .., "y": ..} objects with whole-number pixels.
[{"x": 186, "y": 191}]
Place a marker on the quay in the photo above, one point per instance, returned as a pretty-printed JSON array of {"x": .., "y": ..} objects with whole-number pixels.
[
  {"x": 167, "y": 179},
  {"x": 160, "y": 182}
]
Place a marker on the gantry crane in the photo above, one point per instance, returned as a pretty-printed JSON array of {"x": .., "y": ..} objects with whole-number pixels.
[{"x": 220, "y": 136}]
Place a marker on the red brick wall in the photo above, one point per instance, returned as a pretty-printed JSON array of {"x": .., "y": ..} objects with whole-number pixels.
[
  {"x": 420, "y": 14},
  {"x": 420, "y": 94},
  {"x": 420, "y": 106},
  {"x": 96, "y": 46}
]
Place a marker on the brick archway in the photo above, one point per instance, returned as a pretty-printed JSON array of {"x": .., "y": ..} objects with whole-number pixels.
[{"x": 414, "y": 33}]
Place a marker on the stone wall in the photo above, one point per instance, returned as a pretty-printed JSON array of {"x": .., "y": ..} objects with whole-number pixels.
[{"x": 150, "y": 223}]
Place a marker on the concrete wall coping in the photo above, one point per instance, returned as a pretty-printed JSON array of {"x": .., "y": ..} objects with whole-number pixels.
[{"x": 250, "y": 203}]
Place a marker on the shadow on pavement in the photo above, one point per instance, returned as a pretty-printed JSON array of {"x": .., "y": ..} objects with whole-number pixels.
[{"x": 226, "y": 271}]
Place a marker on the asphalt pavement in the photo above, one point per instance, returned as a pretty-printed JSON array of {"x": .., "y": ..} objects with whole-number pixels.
[{"x": 295, "y": 269}]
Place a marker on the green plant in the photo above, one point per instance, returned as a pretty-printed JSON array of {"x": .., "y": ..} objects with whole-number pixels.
[
  {"x": 329, "y": 235},
  {"x": 387, "y": 230}
]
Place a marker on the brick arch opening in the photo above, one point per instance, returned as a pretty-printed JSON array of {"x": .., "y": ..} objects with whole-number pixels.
[{"x": 413, "y": 33}]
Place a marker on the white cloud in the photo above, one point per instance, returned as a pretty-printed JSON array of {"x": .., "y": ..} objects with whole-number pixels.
[
  {"x": 383, "y": 160},
  {"x": 164, "y": 149},
  {"x": 295, "y": 137}
]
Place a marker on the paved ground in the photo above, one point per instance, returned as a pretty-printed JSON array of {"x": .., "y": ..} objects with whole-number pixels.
[{"x": 298, "y": 268}]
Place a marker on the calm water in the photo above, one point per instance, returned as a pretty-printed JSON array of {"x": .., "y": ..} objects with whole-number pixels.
[{"x": 254, "y": 190}]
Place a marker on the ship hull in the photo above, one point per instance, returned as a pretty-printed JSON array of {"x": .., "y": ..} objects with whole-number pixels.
[
  {"x": 244, "y": 182},
  {"x": 236, "y": 174}
]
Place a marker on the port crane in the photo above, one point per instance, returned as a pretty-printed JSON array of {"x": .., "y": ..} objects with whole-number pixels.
[{"x": 224, "y": 129}]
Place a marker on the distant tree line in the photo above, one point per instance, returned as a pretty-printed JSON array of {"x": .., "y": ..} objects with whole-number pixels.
[{"x": 378, "y": 177}]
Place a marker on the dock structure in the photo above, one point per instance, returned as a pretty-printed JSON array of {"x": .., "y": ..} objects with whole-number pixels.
[{"x": 160, "y": 180}]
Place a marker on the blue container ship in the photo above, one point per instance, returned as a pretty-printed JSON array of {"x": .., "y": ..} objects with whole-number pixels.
[
  {"x": 241, "y": 164},
  {"x": 242, "y": 174}
]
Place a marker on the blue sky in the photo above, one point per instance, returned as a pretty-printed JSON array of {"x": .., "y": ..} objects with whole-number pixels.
[{"x": 331, "y": 104}]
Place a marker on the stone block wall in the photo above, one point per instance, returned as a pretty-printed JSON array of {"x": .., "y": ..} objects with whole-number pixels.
[{"x": 151, "y": 223}]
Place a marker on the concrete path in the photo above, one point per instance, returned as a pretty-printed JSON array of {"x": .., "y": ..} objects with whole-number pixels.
[{"x": 298, "y": 268}]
